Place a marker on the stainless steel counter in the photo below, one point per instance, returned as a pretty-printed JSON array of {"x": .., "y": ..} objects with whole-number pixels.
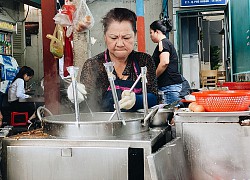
[
  {"x": 215, "y": 147},
  {"x": 145, "y": 138},
  {"x": 90, "y": 158}
]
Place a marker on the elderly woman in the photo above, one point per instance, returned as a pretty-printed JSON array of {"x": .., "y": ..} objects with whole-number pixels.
[{"x": 119, "y": 34}]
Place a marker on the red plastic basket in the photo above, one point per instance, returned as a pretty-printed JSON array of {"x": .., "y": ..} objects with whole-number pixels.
[
  {"x": 223, "y": 101},
  {"x": 235, "y": 85}
]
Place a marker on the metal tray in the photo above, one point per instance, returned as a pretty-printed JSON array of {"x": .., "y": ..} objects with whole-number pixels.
[
  {"x": 187, "y": 112},
  {"x": 4, "y": 132}
]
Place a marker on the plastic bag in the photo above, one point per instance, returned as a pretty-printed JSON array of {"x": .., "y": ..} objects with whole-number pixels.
[
  {"x": 65, "y": 15},
  {"x": 65, "y": 20},
  {"x": 83, "y": 19},
  {"x": 62, "y": 19},
  {"x": 69, "y": 9},
  {"x": 57, "y": 42}
]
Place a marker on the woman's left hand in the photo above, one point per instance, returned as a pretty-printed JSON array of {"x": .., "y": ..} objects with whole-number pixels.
[{"x": 128, "y": 100}]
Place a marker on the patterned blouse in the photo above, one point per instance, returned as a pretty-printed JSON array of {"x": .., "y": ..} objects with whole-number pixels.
[{"x": 95, "y": 79}]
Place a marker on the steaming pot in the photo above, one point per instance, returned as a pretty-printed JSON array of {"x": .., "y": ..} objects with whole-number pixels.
[{"x": 65, "y": 126}]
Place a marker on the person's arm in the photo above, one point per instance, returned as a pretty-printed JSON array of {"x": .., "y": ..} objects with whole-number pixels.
[
  {"x": 90, "y": 72},
  {"x": 20, "y": 92},
  {"x": 152, "y": 101},
  {"x": 164, "y": 61},
  {"x": 88, "y": 78}
]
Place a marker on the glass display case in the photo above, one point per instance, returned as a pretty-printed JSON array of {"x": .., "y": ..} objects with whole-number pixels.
[
  {"x": 6, "y": 42},
  {"x": 6, "y": 38}
]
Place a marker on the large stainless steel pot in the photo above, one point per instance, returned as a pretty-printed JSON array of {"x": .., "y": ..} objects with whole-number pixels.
[{"x": 65, "y": 126}]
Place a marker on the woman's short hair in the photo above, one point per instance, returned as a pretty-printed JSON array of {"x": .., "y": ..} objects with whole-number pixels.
[
  {"x": 119, "y": 14},
  {"x": 164, "y": 25}
]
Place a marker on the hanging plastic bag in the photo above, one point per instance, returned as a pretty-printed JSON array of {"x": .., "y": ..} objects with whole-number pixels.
[
  {"x": 60, "y": 33},
  {"x": 62, "y": 19},
  {"x": 69, "y": 9},
  {"x": 65, "y": 20},
  {"x": 57, "y": 41},
  {"x": 65, "y": 15},
  {"x": 83, "y": 19}
]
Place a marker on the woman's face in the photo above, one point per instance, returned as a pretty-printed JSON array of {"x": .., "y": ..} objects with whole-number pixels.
[
  {"x": 120, "y": 39},
  {"x": 153, "y": 36},
  {"x": 26, "y": 77}
]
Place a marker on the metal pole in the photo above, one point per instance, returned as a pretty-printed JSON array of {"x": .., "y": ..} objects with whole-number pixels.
[
  {"x": 109, "y": 66},
  {"x": 144, "y": 90}
]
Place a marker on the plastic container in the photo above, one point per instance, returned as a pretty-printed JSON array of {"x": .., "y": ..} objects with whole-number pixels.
[
  {"x": 235, "y": 85},
  {"x": 223, "y": 101}
]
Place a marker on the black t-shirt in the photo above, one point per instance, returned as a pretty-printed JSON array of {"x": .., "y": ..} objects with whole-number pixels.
[{"x": 171, "y": 75}]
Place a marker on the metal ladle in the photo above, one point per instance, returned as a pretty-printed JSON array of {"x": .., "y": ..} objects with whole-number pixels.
[
  {"x": 109, "y": 67},
  {"x": 73, "y": 71}
]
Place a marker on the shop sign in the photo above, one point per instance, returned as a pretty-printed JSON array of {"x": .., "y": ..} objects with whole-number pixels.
[
  {"x": 187, "y": 3},
  {"x": 7, "y": 26}
]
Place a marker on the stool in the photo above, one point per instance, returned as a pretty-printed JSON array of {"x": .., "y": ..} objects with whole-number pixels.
[{"x": 19, "y": 122}]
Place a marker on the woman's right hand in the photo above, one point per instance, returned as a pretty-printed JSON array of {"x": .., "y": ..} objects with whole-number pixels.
[
  {"x": 27, "y": 90},
  {"x": 81, "y": 93}
]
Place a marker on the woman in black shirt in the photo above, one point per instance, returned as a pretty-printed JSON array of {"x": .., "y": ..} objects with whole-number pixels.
[{"x": 169, "y": 79}]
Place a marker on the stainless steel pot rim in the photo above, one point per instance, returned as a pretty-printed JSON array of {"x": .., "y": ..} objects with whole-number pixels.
[
  {"x": 57, "y": 119},
  {"x": 90, "y": 122},
  {"x": 66, "y": 126}
]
